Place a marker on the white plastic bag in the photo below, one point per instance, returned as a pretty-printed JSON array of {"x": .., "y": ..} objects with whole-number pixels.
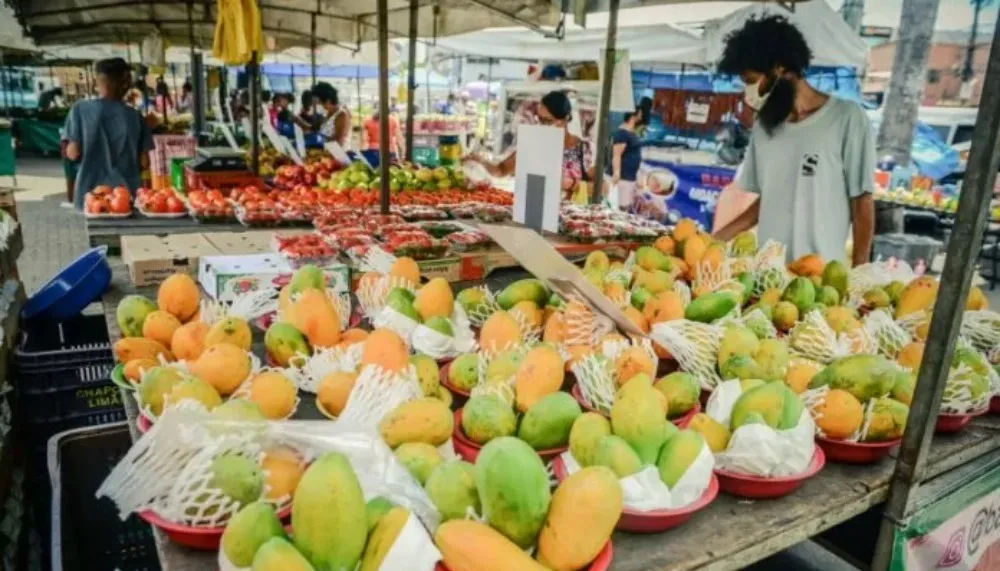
[
  {"x": 759, "y": 450},
  {"x": 389, "y": 318}
]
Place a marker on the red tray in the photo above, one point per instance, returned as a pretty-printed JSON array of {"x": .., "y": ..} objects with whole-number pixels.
[
  {"x": 767, "y": 488},
  {"x": 949, "y": 423},
  {"x": 458, "y": 395},
  {"x": 601, "y": 563},
  {"x": 995, "y": 405},
  {"x": 856, "y": 452},
  {"x": 469, "y": 450},
  {"x": 203, "y": 538},
  {"x": 680, "y": 422},
  {"x": 658, "y": 520}
]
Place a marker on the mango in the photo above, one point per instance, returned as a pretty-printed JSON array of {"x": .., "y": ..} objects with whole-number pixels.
[
  {"x": 736, "y": 340},
  {"x": 841, "y": 319},
  {"x": 911, "y": 355},
  {"x": 548, "y": 422},
  {"x": 131, "y": 314},
  {"x": 801, "y": 292},
  {"x": 663, "y": 306},
  {"x": 540, "y": 373},
  {"x": 640, "y": 296},
  {"x": 157, "y": 384},
  {"x": 428, "y": 374},
  {"x": 500, "y": 331},
  {"x": 131, "y": 348},
  {"x": 715, "y": 433},
  {"x": 631, "y": 362},
  {"x": 835, "y": 275},
  {"x": 419, "y": 459},
  {"x": 785, "y": 314},
  {"x": 473, "y": 301},
  {"x": 452, "y": 489},
  {"x": 888, "y": 420},
  {"x": 328, "y": 514},
  {"x": 486, "y": 417},
  {"x": 463, "y": 373},
  {"x": 585, "y": 507},
  {"x": 440, "y": 324},
  {"x": 463, "y": 542},
  {"x": 807, "y": 266},
  {"x": 248, "y": 530},
  {"x": 710, "y": 307},
  {"x": 386, "y": 531},
  {"x": 238, "y": 410},
  {"x": 653, "y": 281},
  {"x": 828, "y": 295},
  {"x": 772, "y": 356},
  {"x": 894, "y": 289},
  {"x": 597, "y": 260},
  {"x": 232, "y": 330},
  {"x": 864, "y": 376},
  {"x": 277, "y": 554},
  {"x": 306, "y": 277},
  {"x": 677, "y": 455},
  {"x": 284, "y": 342},
  {"x": 682, "y": 391},
  {"x": 918, "y": 295},
  {"x": 405, "y": 269},
  {"x": 771, "y": 278},
  {"x": 503, "y": 367},
  {"x": 640, "y": 421},
  {"x": 513, "y": 490},
  {"x": 740, "y": 367},
  {"x": 775, "y": 402},
  {"x": 799, "y": 374},
  {"x": 744, "y": 244},
  {"x": 421, "y": 420},
  {"x": 902, "y": 389},
  {"x": 876, "y": 298},
  {"x": 587, "y": 431},
  {"x": 614, "y": 453},
  {"x": 193, "y": 388},
  {"x": 237, "y": 477},
  {"x": 434, "y": 299},
  {"x": 527, "y": 289},
  {"x": 375, "y": 508},
  {"x": 400, "y": 299},
  {"x": 649, "y": 258}
]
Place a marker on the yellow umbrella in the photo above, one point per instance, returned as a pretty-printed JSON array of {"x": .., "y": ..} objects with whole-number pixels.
[{"x": 237, "y": 32}]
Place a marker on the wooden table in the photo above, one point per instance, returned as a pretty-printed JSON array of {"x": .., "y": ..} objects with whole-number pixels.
[{"x": 729, "y": 534}]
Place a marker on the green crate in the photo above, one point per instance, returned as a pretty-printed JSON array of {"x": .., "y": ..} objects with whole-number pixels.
[
  {"x": 427, "y": 156},
  {"x": 177, "y": 172}
]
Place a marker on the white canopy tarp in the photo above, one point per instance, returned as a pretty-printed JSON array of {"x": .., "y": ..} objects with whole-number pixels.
[
  {"x": 12, "y": 38},
  {"x": 832, "y": 42},
  {"x": 658, "y": 42}
]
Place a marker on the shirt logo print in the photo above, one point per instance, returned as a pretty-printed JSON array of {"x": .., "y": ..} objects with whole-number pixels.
[{"x": 809, "y": 163}]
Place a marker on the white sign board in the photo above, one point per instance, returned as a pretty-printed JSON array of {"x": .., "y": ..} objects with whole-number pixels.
[
  {"x": 538, "y": 176},
  {"x": 621, "y": 84},
  {"x": 697, "y": 112}
]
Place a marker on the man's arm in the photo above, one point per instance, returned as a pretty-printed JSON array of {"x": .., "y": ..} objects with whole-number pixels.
[
  {"x": 745, "y": 221},
  {"x": 616, "y": 161},
  {"x": 862, "y": 227},
  {"x": 73, "y": 135}
]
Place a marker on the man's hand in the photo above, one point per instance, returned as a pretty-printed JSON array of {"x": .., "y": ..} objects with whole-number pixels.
[
  {"x": 745, "y": 221},
  {"x": 862, "y": 228}
]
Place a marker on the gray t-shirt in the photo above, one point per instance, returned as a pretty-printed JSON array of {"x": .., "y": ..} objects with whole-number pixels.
[
  {"x": 806, "y": 173},
  {"x": 111, "y": 136}
]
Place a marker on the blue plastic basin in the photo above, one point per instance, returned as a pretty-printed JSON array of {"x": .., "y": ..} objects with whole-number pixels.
[{"x": 72, "y": 289}]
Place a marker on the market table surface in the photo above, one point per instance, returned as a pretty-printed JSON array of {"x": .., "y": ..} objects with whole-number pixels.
[{"x": 729, "y": 534}]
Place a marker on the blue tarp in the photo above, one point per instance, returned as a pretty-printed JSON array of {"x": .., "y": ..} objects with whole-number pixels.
[{"x": 324, "y": 71}]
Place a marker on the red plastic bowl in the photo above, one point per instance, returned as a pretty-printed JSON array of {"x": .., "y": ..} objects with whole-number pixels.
[
  {"x": 601, "y": 563},
  {"x": 703, "y": 397},
  {"x": 995, "y": 405},
  {"x": 856, "y": 452},
  {"x": 459, "y": 396},
  {"x": 949, "y": 423},
  {"x": 469, "y": 450},
  {"x": 760, "y": 488},
  {"x": 204, "y": 538},
  {"x": 680, "y": 422},
  {"x": 657, "y": 520},
  {"x": 143, "y": 423}
]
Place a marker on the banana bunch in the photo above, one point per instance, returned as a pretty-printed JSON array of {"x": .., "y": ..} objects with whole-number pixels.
[{"x": 237, "y": 32}]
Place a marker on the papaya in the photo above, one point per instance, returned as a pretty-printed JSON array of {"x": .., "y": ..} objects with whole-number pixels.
[
  {"x": 248, "y": 530},
  {"x": 585, "y": 508},
  {"x": 283, "y": 468},
  {"x": 428, "y": 374},
  {"x": 434, "y": 299},
  {"x": 681, "y": 390},
  {"x": 452, "y": 489},
  {"x": 274, "y": 393},
  {"x": 179, "y": 296},
  {"x": 328, "y": 511},
  {"x": 422, "y": 420},
  {"x": 334, "y": 390},
  {"x": 806, "y": 266},
  {"x": 677, "y": 455},
  {"x": 284, "y": 343},
  {"x": 232, "y": 330},
  {"x": 380, "y": 542},
  {"x": 463, "y": 373},
  {"x": 188, "y": 341},
  {"x": 540, "y": 373},
  {"x": 527, "y": 289},
  {"x": 513, "y": 492},
  {"x": 663, "y": 306},
  {"x": 316, "y": 316},
  {"x": 779, "y": 407},
  {"x": 464, "y": 542},
  {"x": 715, "y": 433},
  {"x": 710, "y": 307},
  {"x": 386, "y": 349},
  {"x": 888, "y": 420},
  {"x": 134, "y": 368},
  {"x": 527, "y": 313},
  {"x": 375, "y": 508},
  {"x": 614, "y": 453},
  {"x": 277, "y": 554},
  {"x": 918, "y": 295},
  {"x": 841, "y": 319},
  {"x": 631, "y": 362},
  {"x": 130, "y": 348},
  {"x": 640, "y": 421},
  {"x": 500, "y": 331},
  {"x": 224, "y": 366},
  {"x": 911, "y": 355},
  {"x": 584, "y": 436},
  {"x": 131, "y": 314},
  {"x": 838, "y": 414},
  {"x": 800, "y": 373},
  {"x": 548, "y": 422},
  {"x": 406, "y": 269},
  {"x": 864, "y": 376},
  {"x": 836, "y": 275},
  {"x": 419, "y": 459}
]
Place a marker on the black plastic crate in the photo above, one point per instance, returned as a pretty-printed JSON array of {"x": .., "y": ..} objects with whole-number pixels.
[
  {"x": 39, "y": 431},
  {"x": 56, "y": 394},
  {"x": 87, "y": 534},
  {"x": 55, "y": 345}
]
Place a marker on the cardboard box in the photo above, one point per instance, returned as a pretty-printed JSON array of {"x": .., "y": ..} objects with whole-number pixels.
[
  {"x": 241, "y": 243},
  {"x": 223, "y": 276},
  {"x": 152, "y": 259}
]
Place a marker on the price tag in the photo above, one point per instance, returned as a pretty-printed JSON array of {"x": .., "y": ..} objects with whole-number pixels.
[{"x": 697, "y": 112}]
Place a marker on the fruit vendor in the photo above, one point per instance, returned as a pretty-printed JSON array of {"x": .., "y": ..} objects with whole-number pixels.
[
  {"x": 811, "y": 158},
  {"x": 337, "y": 126},
  {"x": 108, "y": 139},
  {"x": 578, "y": 162}
]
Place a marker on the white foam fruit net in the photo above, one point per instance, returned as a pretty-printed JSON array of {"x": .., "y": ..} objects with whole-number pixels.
[
  {"x": 694, "y": 345},
  {"x": 579, "y": 322},
  {"x": 168, "y": 469},
  {"x": 911, "y": 321},
  {"x": 479, "y": 313},
  {"x": 596, "y": 382},
  {"x": 887, "y": 335},
  {"x": 758, "y": 322},
  {"x": 875, "y": 274},
  {"x": 814, "y": 339},
  {"x": 486, "y": 356},
  {"x": 684, "y": 291},
  {"x": 245, "y": 305},
  {"x": 960, "y": 395},
  {"x": 982, "y": 329},
  {"x": 709, "y": 277},
  {"x": 769, "y": 268},
  {"x": 376, "y": 260},
  {"x": 813, "y": 398},
  {"x": 376, "y": 393},
  {"x": 372, "y": 293},
  {"x": 323, "y": 362}
]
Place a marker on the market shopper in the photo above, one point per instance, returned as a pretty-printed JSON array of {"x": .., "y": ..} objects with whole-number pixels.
[
  {"x": 337, "y": 126},
  {"x": 811, "y": 158},
  {"x": 108, "y": 139},
  {"x": 555, "y": 110},
  {"x": 626, "y": 156},
  {"x": 370, "y": 135}
]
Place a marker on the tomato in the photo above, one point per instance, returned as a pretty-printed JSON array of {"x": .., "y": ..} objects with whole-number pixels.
[
  {"x": 120, "y": 191},
  {"x": 158, "y": 204},
  {"x": 102, "y": 189},
  {"x": 120, "y": 204},
  {"x": 175, "y": 205}
]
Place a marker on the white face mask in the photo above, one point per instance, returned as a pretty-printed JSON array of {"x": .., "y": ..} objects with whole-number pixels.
[{"x": 751, "y": 94}]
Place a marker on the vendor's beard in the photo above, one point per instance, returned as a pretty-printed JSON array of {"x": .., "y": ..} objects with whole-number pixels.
[{"x": 778, "y": 106}]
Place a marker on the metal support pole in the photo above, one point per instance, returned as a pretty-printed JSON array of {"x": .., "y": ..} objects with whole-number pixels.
[
  {"x": 253, "y": 83},
  {"x": 383, "y": 103},
  {"x": 312, "y": 51},
  {"x": 198, "y": 90},
  {"x": 607, "y": 77},
  {"x": 963, "y": 249},
  {"x": 411, "y": 78}
]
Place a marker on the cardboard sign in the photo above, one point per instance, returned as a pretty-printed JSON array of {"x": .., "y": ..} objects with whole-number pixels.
[
  {"x": 538, "y": 177},
  {"x": 536, "y": 255},
  {"x": 622, "y": 99}
]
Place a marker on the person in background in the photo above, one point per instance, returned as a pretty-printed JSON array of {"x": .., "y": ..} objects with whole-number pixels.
[
  {"x": 626, "y": 156},
  {"x": 555, "y": 110},
  {"x": 307, "y": 111},
  {"x": 283, "y": 115},
  {"x": 51, "y": 98},
  {"x": 186, "y": 102},
  {"x": 163, "y": 99},
  {"x": 108, "y": 139},
  {"x": 337, "y": 125},
  {"x": 133, "y": 98},
  {"x": 811, "y": 157},
  {"x": 370, "y": 135}
]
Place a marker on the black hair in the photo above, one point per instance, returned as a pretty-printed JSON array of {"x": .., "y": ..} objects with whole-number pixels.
[
  {"x": 307, "y": 98},
  {"x": 326, "y": 93},
  {"x": 762, "y": 44},
  {"x": 557, "y": 102},
  {"x": 114, "y": 68},
  {"x": 265, "y": 96}
]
